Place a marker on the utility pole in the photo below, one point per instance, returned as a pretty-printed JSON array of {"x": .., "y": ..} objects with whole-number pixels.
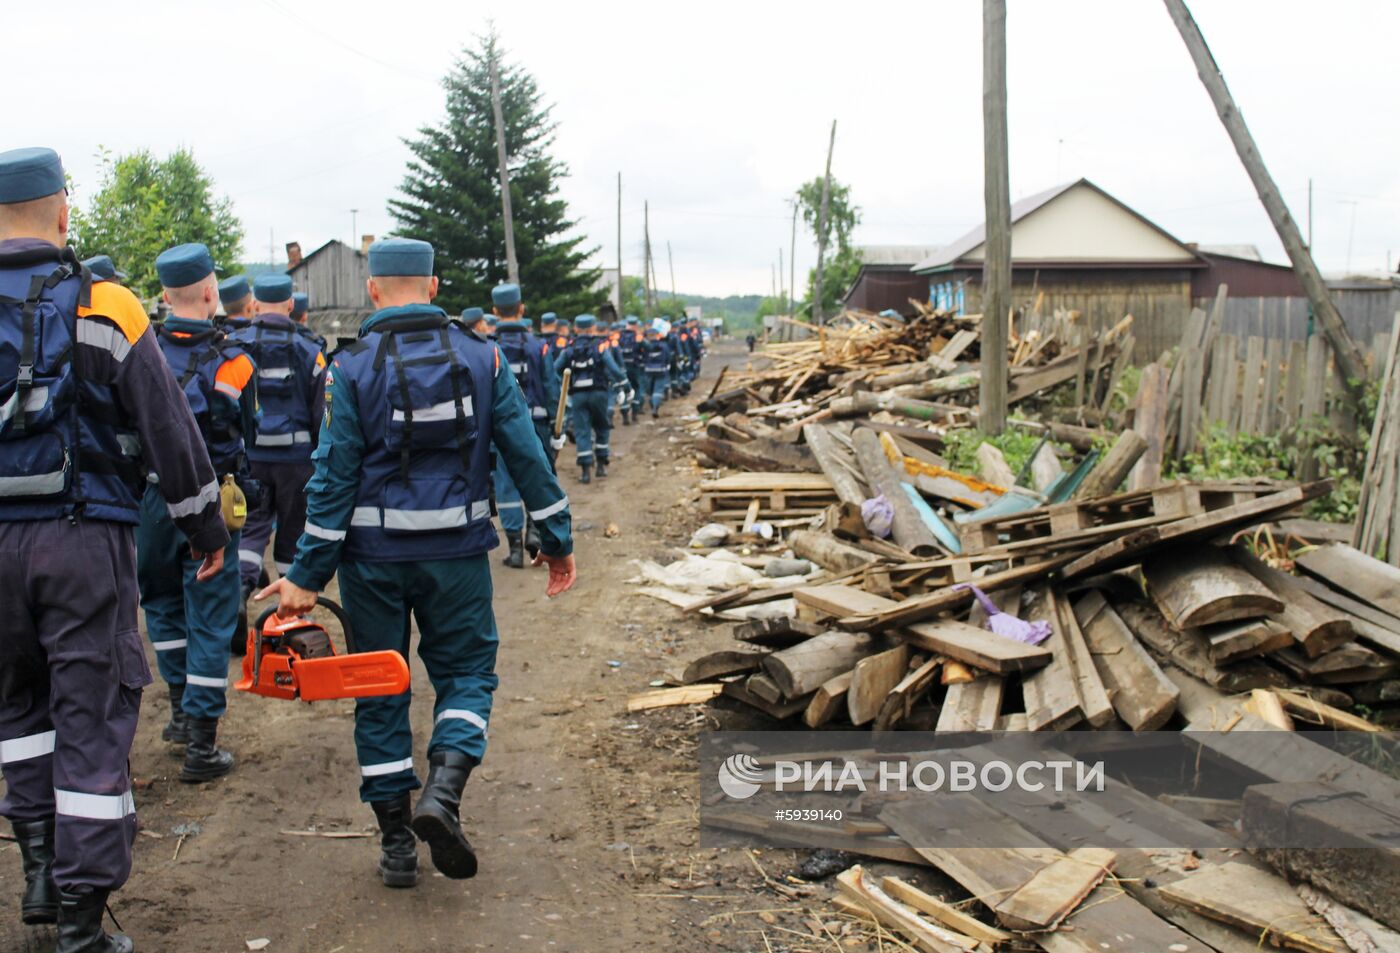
[
  {"x": 782, "y": 295},
  {"x": 817, "y": 310},
  {"x": 671, "y": 264},
  {"x": 996, "y": 265},
  {"x": 512, "y": 268},
  {"x": 647, "y": 276},
  {"x": 1309, "y": 213},
  {"x": 354, "y": 229},
  {"x": 1348, "y": 355},
  {"x": 792, "y": 266},
  {"x": 619, "y": 245}
]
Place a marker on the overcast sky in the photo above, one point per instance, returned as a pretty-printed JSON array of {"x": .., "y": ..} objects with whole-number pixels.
[{"x": 716, "y": 111}]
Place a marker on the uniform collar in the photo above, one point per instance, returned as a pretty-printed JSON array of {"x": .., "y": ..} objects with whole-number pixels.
[
  {"x": 273, "y": 320},
  {"x": 188, "y": 325},
  {"x": 400, "y": 311}
]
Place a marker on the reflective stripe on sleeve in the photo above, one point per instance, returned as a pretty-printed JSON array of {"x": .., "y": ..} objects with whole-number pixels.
[
  {"x": 282, "y": 568},
  {"x": 366, "y": 516},
  {"x": 461, "y": 714},
  {"x": 104, "y": 336},
  {"x": 170, "y": 645},
  {"x": 548, "y": 511},
  {"x": 320, "y": 532},
  {"x": 387, "y": 767},
  {"x": 224, "y": 387},
  {"x": 192, "y": 505},
  {"x": 94, "y": 807},
  {"x": 30, "y": 746},
  {"x": 204, "y": 681}
]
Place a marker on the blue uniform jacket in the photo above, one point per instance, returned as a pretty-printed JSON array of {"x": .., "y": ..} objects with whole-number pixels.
[{"x": 612, "y": 365}]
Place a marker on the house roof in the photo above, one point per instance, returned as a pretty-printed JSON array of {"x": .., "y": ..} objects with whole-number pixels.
[
  {"x": 968, "y": 245},
  {"x": 307, "y": 258},
  {"x": 906, "y": 255}
]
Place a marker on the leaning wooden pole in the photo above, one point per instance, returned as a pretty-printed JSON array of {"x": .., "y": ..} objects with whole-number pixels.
[
  {"x": 996, "y": 267},
  {"x": 1348, "y": 355},
  {"x": 619, "y": 245},
  {"x": 512, "y": 267},
  {"x": 818, "y": 315},
  {"x": 910, "y": 532}
]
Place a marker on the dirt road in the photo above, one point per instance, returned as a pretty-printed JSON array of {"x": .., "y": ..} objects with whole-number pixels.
[{"x": 584, "y": 817}]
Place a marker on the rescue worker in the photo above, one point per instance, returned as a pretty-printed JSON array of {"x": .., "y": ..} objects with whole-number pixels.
[
  {"x": 291, "y": 372},
  {"x": 88, "y": 407},
  {"x": 594, "y": 370},
  {"x": 103, "y": 268},
  {"x": 631, "y": 350},
  {"x": 548, "y": 320},
  {"x": 301, "y": 304},
  {"x": 474, "y": 319},
  {"x": 236, "y": 295},
  {"x": 656, "y": 362},
  {"x": 190, "y": 626},
  {"x": 401, "y": 504},
  {"x": 750, "y": 340},
  {"x": 522, "y": 350},
  {"x": 697, "y": 347}
]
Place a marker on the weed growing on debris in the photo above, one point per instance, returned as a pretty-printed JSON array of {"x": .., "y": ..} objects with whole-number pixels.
[{"x": 1017, "y": 446}]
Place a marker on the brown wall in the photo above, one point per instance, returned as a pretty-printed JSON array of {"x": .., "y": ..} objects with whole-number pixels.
[
  {"x": 881, "y": 287},
  {"x": 1247, "y": 279}
]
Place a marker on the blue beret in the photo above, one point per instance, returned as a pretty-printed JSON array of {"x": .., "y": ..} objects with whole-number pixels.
[
  {"x": 103, "y": 267},
  {"x": 563, "y": 323},
  {"x": 473, "y": 315},
  {"x": 584, "y": 321},
  {"x": 548, "y": 317},
  {"x": 272, "y": 289},
  {"x": 491, "y": 320},
  {"x": 28, "y": 174},
  {"x": 234, "y": 289},
  {"x": 633, "y": 319},
  {"x": 300, "y": 302},
  {"x": 184, "y": 265},
  {"x": 505, "y": 295},
  {"x": 400, "y": 256}
]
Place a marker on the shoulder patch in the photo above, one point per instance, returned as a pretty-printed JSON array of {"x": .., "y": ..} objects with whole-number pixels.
[{"x": 118, "y": 305}]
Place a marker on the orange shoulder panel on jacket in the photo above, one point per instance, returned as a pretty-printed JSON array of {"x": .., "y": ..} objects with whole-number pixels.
[
  {"x": 116, "y": 303},
  {"x": 235, "y": 373}
]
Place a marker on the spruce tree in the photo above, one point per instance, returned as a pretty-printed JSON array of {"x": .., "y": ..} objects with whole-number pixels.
[{"x": 452, "y": 194}]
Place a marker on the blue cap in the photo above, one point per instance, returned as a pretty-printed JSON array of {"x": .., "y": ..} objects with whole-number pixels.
[
  {"x": 234, "y": 289},
  {"x": 300, "y": 302},
  {"x": 28, "y": 174},
  {"x": 103, "y": 267},
  {"x": 400, "y": 256},
  {"x": 563, "y": 323},
  {"x": 548, "y": 317},
  {"x": 184, "y": 265},
  {"x": 584, "y": 321},
  {"x": 505, "y": 295},
  {"x": 473, "y": 315},
  {"x": 633, "y": 319},
  {"x": 491, "y": 320},
  {"x": 272, "y": 289}
]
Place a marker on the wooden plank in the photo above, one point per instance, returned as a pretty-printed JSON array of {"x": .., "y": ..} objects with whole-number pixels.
[
  {"x": 714, "y": 665},
  {"x": 1141, "y": 694},
  {"x": 1293, "y": 383},
  {"x": 829, "y": 699},
  {"x": 976, "y": 647},
  {"x": 776, "y": 632},
  {"x": 1246, "y": 897},
  {"x": 1343, "y": 665},
  {"x": 764, "y": 482},
  {"x": 946, "y": 914},
  {"x": 762, "y": 686},
  {"x": 1150, "y": 420},
  {"x": 1352, "y": 571},
  {"x": 972, "y": 706},
  {"x": 1200, "y": 585},
  {"x": 1052, "y": 694},
  {"x": 1231, "y": 641},
  {"x": 1270, "y": 413},
  {"x": 1055, "y": 890},
  {"x": 1264, "y": 705},
  {"x": 1131, "y": 547},
  {"x": 1360, "y": 932},
  {"x": 1188, "y": 650},
  {"x": 857, "y": 885},
  {"x": 840, "y": 601},
  {"x": 1093, "y": 696},
  {"x": 874, "y": 677},
  {"x": 1380, "y": 630},
  {"x": 805, "y": 666},
  {"x": 1313, "y": 712},
  {"x": 673, "y": 697},
  {"x": 949, "y": 598},
  {"x": 739, "y": 691},
  {"x": 1253, "y": 370},
  {"x": 900, "y": 700},
  {"x": 1317, "y": 628},
  {"x": 1113, "y": 469}
]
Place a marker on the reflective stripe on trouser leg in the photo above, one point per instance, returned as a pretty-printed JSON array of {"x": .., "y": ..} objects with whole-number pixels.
[
  {"x": 211, "y": 615},
  {"x": 85, "y": 686},
  {"x": 598, "y": 412},
  {"x": 508, "y": 505},
  {"x": 377, "y": 604},
  {"x": 635, "y": 377},
  {"x": 583, "y": 432},
  {"x": 458, "y": 643},
  {"x": 257, "y": 531},
  {"x": 162, "y": 583}
]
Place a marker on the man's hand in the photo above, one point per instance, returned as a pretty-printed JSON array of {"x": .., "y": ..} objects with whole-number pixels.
[
  {"x": 557, "y": 442},
  {"x": 561, "y": 573},
  {"x": 210, "y": 565},
  {"x": 292, "y": 600}
]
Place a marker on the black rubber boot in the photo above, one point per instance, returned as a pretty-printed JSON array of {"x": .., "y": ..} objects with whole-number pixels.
[
  {"x": 587, "y": 475},
  {"x": 655, "y": 410},
  {"x": 204, "y": 761},
  {"x": 436, "y": 820},
  {"x": 238, "y": 642},
  {"x": 602, "y": 468},
  {"x": 532, "y": 539},
  {"x": 176, "y": 731},
  {"x": 398, "y": 851},
  {"x": 80, "y": 925},
  {"x": 515, "y": 558},
  {"x": 35, "y": 842}
]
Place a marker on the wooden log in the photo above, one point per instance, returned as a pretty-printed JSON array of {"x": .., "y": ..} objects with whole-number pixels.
[
  {"x": 866, "y": 403},
  {"x": 910, "y": 531},
  {"x": 760, "y": 455},
  {"x": 858, "y": 886},
  {"x": 1201, "y": 585},
  {"x": 1245, "y": 897},
  {"x": 875, "y": 675},
  {"x": 900, "y": 700},
  {"x": 829, "y": 699},
  {"x": 714, "y": 665},
  {"x": 1055, "y": 890},
  {"x": 780, "y": 711},
  {"x": 827, "y": 551},
  {"x": 776, "y": 632},
  {"x": 1317, "y": 628},
  {"x": 832, "y": 460},
  {"x": 762, "y": 686},
  {"x": 1141, "y": 694},
  {"x": 805, "y": 666},
  {"x": 1113, "y": 469}
]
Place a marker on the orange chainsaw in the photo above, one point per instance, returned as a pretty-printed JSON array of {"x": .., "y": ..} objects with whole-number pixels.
[{"x": 295, "y": 658}]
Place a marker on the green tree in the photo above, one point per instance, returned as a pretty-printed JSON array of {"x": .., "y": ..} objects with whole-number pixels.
[
  {"x": 143, "y": 205},
  {"x": 451, "y": 193},
  {"x": 634, "y": 300},
  {"x": 842, "y": 259}
]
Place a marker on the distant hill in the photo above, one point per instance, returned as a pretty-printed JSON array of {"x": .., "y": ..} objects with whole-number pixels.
[{"x": 738, "y": 311}]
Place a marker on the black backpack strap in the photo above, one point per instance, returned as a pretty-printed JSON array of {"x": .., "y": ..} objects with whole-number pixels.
[
  {"x": 460, "y": 416},
  {"x": 389, "y": 343}
]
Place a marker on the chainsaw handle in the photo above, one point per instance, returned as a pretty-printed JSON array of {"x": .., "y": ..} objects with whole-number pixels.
[{"x": 330, "y": 606}]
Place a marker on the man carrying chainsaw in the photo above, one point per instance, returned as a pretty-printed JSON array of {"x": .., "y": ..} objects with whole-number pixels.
[{"x": 401, "y": 503}]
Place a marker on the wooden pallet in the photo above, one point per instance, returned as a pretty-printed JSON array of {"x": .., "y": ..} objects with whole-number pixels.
[
  {"x": 779, "y": 494},
  {"x": 1083, "y": 522}
]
